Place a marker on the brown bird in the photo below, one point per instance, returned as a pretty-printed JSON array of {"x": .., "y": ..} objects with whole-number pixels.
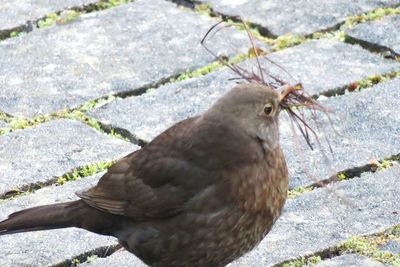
[{"x": 202, "y": 193}]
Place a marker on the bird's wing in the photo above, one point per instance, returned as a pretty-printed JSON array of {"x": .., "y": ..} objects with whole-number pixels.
[{"x": 153, "y": 182}]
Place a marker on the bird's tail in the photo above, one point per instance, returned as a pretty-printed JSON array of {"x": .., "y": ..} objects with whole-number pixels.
[{"x": 42, "y": 218}]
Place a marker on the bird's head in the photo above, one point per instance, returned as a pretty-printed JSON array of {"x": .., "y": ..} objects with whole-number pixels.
[{"x": 253, "y": 108}]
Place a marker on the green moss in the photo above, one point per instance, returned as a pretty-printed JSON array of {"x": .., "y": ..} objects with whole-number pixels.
[
  {"x": 84, "y": 171},
  {"x": 303, "y": 261},
  {"x": 341, "y": 176},
  {"x": 203, "y": 9},
  {"x": 105, "y": 4},
  {"x": 369, "y": 246},
  {"x": 67, "y": 16},
  {"x": 376, "y": 14},
  {"x": 295, "y": 192},
  {"x": 206, "y": 69},
  {"x": 288, "y": 40},
  {"x": 372, "y": 80},
  {"x": 96, "y": 103},
  {"x": 48, "y": 21}
]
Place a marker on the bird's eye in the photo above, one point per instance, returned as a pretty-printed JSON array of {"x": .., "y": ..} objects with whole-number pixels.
[{"x": 268, "y": 109}]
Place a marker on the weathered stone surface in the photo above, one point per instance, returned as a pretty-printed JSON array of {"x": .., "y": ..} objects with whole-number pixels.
[
  {"x": 325, "y": 65},
  {"x": 3, "y": 124},
  {"x": 367, "y": 128},
  {"x": 17, "y": 13},
  {"x": 119, "y": 258},
  {"x": 383, "y": 34},
  {"x": 148, "y": 115},
  {"x": 296, "y": 17},
  {"x": 325, "y": 217},
  {"x": 114, "y": 50},
  {"x": 350, "y": 260},
  {"x": 393, "y": 246},
  {"x": 44, "y": 248},
  {"x": 51, "y": 149}
]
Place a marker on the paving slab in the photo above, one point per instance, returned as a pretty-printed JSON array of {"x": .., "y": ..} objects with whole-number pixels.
[
  {"x": 51, "y": 149},
  {"x": 367, "y": 128},
  {"x": 18, "y": 13},
  {"x": 381, "y": 34},
  {"x": 316, "y": 221},
  {"x": 45, "y": 248},
  {"x": 119, "y": 258},
  {"x": 393, "y": 246},
  {"x": 141, "y": 115},
  {"x": 350, "y": 260},
  {"x": 296, "y": 17},
  {"x": 326, "y": 65},
  {"x": 3, "y": 124},
  {"x": 114, "y": 50}
]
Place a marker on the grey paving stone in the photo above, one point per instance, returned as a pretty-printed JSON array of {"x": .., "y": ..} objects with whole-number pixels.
[
  {"x": 17, "y": 13},
  {"x": 325, "y": 217},
  {"x": 296, "y": 17},
  {"x": 367, "y": 128},
  {"x": 148, "y": 115},
  {"x": 114, "y": 50},
  {"x": 51, "y": 149},
  {"x": 3, "y": 124},
  {"x": 45, "y": 248},
  {"x": 383, "y": 34},
  {"x": 325, "y": 65},
  {"x": 350, "y": 260},
  {"x": 316, "y": 221},
  {"x": 119, "y": 258},
  {"x": 393, "y": 246}
]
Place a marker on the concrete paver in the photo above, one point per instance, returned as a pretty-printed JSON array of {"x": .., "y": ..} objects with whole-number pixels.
[
  {"x": 114, "y": 50},
  {"x": 296, "y": 17},
  {"x": 383, "y": 34},
  {"x": 350, "y": 260},
  {"x": 17, "y": 13},
  {"x": 51, "y": 149},
  {"x": 44, "y": 248}
]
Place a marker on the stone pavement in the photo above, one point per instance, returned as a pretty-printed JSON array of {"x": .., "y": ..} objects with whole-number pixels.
[{"x": 77, "y": 95}]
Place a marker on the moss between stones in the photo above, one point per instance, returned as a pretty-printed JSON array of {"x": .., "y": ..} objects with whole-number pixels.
[
  {"x": 63, "y": 17},
  {"x": 20, "y": 123},
  {"x": 303, "y": 261},
  {"x": 295, "y": 192},
  {"x": 368, "y": 246},
  {"x": 364, "y": 245},
  {"x": 73, "y": 175}
]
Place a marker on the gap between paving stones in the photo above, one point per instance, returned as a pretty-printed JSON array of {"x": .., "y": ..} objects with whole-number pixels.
[
  {"x": 366, "y": 245},
  {"x": 100, "y": 252},
  {"x": 79, "y": 172},
  {"x": 60, "y": 18},
  {"x": 348, "y": 174},
  {"x": 289, "y": 40}
]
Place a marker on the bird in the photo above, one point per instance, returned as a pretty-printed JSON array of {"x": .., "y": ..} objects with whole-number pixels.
[{"x": 203, "y": 193}]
